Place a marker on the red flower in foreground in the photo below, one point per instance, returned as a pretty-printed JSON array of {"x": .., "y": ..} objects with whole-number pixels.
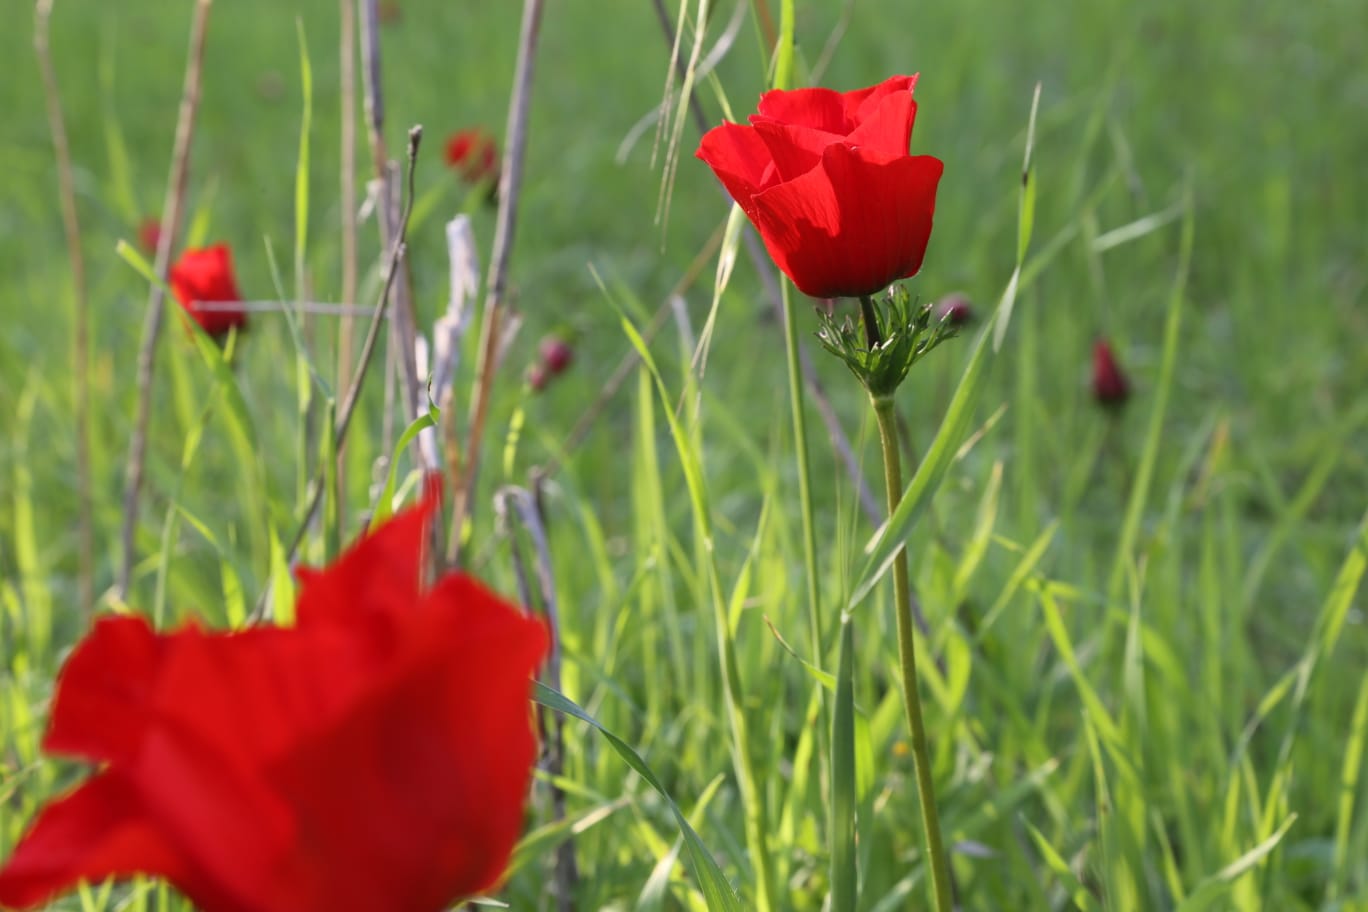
[
  {"x": 1109, "y": 384},
  {"x": 474, "y": 154},
  {"x": 149, "y": 234},
  {"x": 375, "y": 756},
  {"x": 827, "y": 180},
  {"x": 207, "y": 275}
]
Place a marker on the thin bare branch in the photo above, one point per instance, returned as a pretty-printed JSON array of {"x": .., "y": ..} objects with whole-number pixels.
[
  {"x": 401, "y": 314},
  {"x": 346, "y": 311},
  {"x": 527, "y": 506},
  {"x": 80, "y": 340},
  {"x": 348, "y": 407},
  {"x": 170, "y": 230},
  {"x": 346, "y": 329},
  {"x": 491, "y": 330}
]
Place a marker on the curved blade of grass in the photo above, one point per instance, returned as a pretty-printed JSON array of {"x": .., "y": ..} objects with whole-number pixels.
[
  {"x": 1025, "y": 224},
  {"x": 1219, "y": 884},
  {"x": 384, "y": 504},
  {"x": 716, "y": 890}
]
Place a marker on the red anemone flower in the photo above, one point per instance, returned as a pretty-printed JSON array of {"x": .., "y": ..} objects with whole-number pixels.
[
  {"x": 375, "y": 756},
  {"x": 207, "y": 276},
  {"x": 827, "y": 180},
  {"x": 474, "y": 154},
  {"x": 1109, "y": 384}
]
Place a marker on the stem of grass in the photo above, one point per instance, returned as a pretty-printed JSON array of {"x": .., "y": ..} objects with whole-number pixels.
[{"x": 921, "y": 756}]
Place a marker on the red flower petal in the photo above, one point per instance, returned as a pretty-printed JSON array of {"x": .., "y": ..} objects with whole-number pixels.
[
  {"x": 815, "y": 108},
  {"x": 94, "y": 833},
  {"x": 888, "y": 128},
  {"x": 828, "y": 110},
  {"x": 381, "y": 570},
  {"x": 302, "y": 769},
  {"x": 853, "y": 225},
  {"x": 207, "y": 275},
  {"x": 741, "y": 160},
  {"x": 794, "y": 150},
  {"x": 105, "y": 691},
  {"x": 426, "y": 761},
  {"x": 860, "y": 102}
]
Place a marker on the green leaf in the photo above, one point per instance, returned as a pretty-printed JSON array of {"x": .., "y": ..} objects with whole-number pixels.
[
  {"x": 384, "y": 504},
  {"x": 716, "y": 890},
  {"x": 844, "y": 870}
]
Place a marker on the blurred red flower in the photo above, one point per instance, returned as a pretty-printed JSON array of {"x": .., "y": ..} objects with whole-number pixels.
[
  {"x": 556, "y": 354},
  {"x": 827, "y": 180},
  {"x": 374, "y": 756},
  {"x": 149, "y": 235},
  {"x": 955, "y": 307},
  {"x": 206, "y": 276},
  {"x": 1109, "y": 384},
  {"x": 474, "y": 154}
]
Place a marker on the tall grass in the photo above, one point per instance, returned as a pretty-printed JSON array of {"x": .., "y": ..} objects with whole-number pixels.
[{"x": 1143, "y": 664}]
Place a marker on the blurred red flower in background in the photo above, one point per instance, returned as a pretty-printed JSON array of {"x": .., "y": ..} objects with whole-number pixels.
[
  {"x": 957, "y": 308},
  {"x": 1109, "y": 384},
  {"x": 827, "y": 180},
  {"x": 207, "y": 275},
  {"x": 556, "y": 354},
  {"x": 374, "y": 756},
  {"x": 149, "y": 235},
  {"x": 474, "y": 154}
]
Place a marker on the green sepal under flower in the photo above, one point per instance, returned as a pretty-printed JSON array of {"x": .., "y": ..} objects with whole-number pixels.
[{"x": 893, "y": 333}]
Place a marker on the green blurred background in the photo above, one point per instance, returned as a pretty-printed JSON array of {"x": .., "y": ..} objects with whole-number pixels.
[{"x": 1253, "y": 110}]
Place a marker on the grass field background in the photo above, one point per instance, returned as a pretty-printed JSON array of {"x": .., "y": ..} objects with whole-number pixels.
[{"x": 1146, "y": 670}]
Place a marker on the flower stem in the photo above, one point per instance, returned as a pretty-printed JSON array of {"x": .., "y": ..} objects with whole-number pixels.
[{"x": 935, "y": 849}]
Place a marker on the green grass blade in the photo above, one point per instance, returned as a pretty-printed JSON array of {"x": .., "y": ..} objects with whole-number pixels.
[
  {"x": 718, "y": 892},
  {"x": 844, "y": 875}
]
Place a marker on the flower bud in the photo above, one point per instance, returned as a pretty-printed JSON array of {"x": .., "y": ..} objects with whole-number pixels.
[
  {"x": 556, "y": 354},
  {"x": 149, "y": 235},
  {"x": 537, "y": 377},
  {"x": 956, "y": 308},
  {"x": 1109, "y": 385}
]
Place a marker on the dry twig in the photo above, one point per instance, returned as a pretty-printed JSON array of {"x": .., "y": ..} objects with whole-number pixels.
[
  {"x": 510, "y": 188},
  {"x": 80, "y": 343},
  {"x": 170, "y": 229}
]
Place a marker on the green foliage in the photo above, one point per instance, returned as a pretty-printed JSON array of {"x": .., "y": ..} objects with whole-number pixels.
[{"x": 1144, "y": 638}]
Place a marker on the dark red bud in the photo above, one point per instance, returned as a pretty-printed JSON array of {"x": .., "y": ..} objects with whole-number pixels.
[
  {"x": 149, "y": 235},
  {"x": 956, "y": 308},
  {"x": 556, "y": 354},
  {"x": 1109, "y": 384},
  {"x": 536, "y": 378}
]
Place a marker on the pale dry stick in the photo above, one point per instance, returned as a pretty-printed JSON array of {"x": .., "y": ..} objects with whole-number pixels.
[
  {"x": 348, "y": 408},
  {"x": 156, "y": 298},
  {"x": 327, "y": 309},
  {"x": 510, "y": 189},
  {"x": 387, "y": 213},
  {"x": 347, "y": 327},
  {"x": 765, "y": 268},
  {"x": 529, "y": 511},
  {"x": 80, "y": 354}
]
